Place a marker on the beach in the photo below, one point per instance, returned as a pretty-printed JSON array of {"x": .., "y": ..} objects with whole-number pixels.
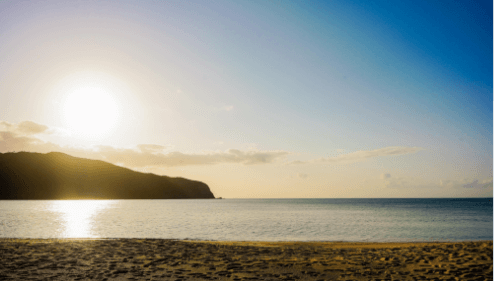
[{"x": 158, "y": 259}]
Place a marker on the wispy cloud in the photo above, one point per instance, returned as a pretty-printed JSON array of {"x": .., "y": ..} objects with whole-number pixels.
[
  {"x": 18, "y": 137},
  {"x": 151, "y": 148},
  {"x": 363, "y": 155},
  {"x": 24, "y": 128},
  {"x": 134, "y": 158},
  {"x": 402, "y": 182},
  {"x": 405, "y": 182},
  {"x": 466, "y": 183},
  {"x": 477, "y": 184}
]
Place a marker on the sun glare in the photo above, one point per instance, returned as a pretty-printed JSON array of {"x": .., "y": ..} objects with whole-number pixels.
[
  {"x": 78, "y": 216},
  {"x": 90, "y": 111}
]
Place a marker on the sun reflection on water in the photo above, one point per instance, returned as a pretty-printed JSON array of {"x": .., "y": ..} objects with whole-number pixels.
[{"x": 78, "y": 216}]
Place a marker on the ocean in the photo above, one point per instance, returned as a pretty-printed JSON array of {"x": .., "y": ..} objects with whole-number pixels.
[{"x": 371, "y": 220}]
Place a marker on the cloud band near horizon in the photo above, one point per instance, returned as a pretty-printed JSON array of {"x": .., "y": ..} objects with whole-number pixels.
[
  {"x": 362, "y": 155},
  {"x": 22, "y": 137}
]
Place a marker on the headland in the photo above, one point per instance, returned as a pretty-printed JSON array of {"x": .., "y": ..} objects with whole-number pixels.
[{"x": 55, "y": 175}]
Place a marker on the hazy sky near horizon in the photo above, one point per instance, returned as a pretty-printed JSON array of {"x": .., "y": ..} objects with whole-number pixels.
[{"x": 259, "y": 99}]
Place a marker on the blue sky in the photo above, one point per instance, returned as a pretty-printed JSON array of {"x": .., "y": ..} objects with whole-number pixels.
[{"x": 313, "y": 80}]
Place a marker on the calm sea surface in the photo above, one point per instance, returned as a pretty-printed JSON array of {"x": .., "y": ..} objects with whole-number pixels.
[{"x": 252, "y": 219}]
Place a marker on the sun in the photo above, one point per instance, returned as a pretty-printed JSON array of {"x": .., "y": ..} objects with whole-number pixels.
[{"x": 90, "y": 112}]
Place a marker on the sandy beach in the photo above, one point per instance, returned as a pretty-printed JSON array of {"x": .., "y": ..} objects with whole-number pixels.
[{"x": 157, "y": 259}]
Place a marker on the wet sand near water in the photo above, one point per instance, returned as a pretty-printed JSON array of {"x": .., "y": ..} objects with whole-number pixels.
[{"x": 158, "y": 259}]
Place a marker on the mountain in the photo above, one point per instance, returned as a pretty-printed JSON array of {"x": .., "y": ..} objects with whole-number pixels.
[{"x": 55, "y": 175}]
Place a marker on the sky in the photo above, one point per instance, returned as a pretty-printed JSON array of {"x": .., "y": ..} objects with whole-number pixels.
[{"x": 259, "y": 99}]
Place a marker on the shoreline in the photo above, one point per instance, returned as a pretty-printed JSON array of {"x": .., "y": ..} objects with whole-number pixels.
[
  {"x": 169, "y": 259},
  {"x": 411, "y": 241}
]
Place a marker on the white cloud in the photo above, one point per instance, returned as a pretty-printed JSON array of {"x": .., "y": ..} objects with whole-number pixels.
[
  {"x": 151, "y": 148},
  {"x": 487, "y": 183},
  {"x": 466, "y": 183},
  {"x": 367, "y": 154},
  {"x": 6, "y": 126},
  {"x": 133, "y": 158},
  {"x": 411, "y": 182},
  {"x": 31, "y": 128},
  {"x": 19, "y": 138},
  {"x": 24, "y": 128},
  {"x": 363, "y": 155},
  {"x": 477, "y": 184}
]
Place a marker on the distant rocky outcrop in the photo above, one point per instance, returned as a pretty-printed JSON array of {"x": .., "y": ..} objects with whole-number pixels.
[{"x": 55, "y": 175}]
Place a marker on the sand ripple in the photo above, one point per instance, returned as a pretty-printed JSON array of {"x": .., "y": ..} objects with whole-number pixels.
[{"x": 156, "y": 259}]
